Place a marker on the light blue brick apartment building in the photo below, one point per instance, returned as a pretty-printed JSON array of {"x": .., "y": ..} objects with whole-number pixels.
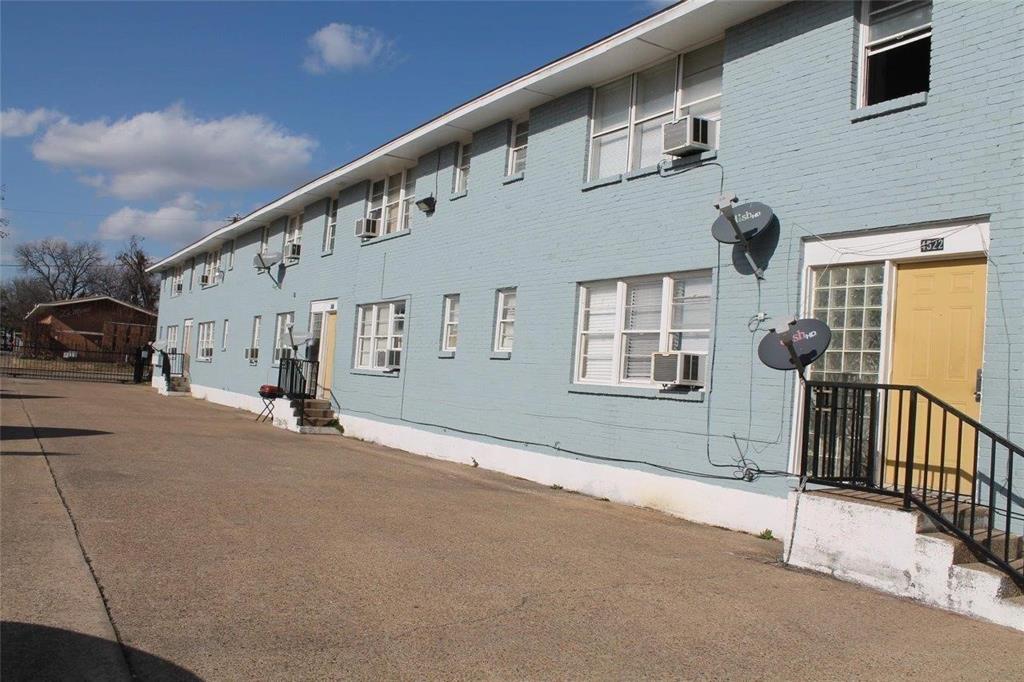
[{"x": 514, "y": 325}]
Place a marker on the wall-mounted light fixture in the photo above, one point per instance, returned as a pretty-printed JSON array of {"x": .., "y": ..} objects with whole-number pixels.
[{"x": 427, "y": 204}]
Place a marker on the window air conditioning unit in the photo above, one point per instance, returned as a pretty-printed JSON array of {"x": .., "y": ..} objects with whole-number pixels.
[
  {"x": 367, "y": 227},
  {"x": 252, "y": 354},
  {"x": 678, "y": 369},
  {"x": 205, "y": 279},
  {"x": 687, "y": 135},
  {"x": 178, "y": 288},
  {"x": 206, "y": 352},
  {"x": 293, "y": 251}
]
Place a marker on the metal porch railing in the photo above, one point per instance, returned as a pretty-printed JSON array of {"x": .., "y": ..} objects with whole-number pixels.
[
  {"x": 902, "y": 440},
  {"x": 298, "y": 379}
]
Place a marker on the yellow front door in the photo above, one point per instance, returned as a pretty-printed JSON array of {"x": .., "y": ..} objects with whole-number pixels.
[
  {"x": 327, "y": 353},
  {"x": 938, "y": 332}
]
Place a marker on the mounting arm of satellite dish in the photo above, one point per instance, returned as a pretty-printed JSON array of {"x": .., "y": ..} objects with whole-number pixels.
[
  {"x": 786, "y": 338},
  {"x": 724, "y": 206}
]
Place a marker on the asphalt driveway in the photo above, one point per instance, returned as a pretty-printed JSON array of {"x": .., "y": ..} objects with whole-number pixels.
[{"x": 217, "y": 548}]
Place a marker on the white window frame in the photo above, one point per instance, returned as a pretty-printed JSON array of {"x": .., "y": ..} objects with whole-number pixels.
[
  {"x": 264, "y": 239},
  {"x": 632, "y": 122},
  {"x": 403, "y": 204},
  {"x": 172, "y": 338},
  {"x": 211, "y": 266},
  {"x": 450, "y": 323},
  {"x": 224, "y": 335},
  {"x": 254, "y": 337},
  {"x": 462, "y": 166},
  {"x": 380, "y": 348},
  {"x": 293, "y": 232},
  {"x": 516, "y": 151},
  {"x": 205, "y": 331},
  {"x": 330, "y": 227},
  {"x": 500, "y": 320},
  {"x": 282, "y": 349},
  {"x": 620, "y": 333},
  {"x": 869, "y": 48},
  {"x": 177, "y": 280}
]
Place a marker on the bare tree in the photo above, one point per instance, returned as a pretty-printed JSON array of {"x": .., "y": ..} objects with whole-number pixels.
[
  {"x": 66, "y": 270},
  {"x": 17, "y": 297},
  {"x": 139, "y": 287}
]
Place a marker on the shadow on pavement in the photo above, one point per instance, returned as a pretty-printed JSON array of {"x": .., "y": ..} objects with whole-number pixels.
[
  {"x": 35, "y": 453},
  {"x": 38, "y": 652},
  {"x": 25, "y": 432},
  {"x": 24, "y": 396}
]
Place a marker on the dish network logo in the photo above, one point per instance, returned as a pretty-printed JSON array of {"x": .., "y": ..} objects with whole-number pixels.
[{"x": 800, "y": 335}]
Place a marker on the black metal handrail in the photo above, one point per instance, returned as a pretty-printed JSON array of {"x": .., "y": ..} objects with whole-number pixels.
[
  {"x": 902, "y": 440},
  {"x": 298, "y": 379},
  {"x": 173, "y": 364}
]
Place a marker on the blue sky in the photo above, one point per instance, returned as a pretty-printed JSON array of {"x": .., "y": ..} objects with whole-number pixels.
[{"x": 163, "y": 118}]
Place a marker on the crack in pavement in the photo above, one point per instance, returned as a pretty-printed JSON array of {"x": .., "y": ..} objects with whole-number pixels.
[{"x": 81, "y": 545}]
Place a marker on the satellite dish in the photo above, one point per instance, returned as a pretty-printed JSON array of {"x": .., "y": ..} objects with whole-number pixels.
[
  {"x": 801, "y": 344},
  {"x": 264, "y": 261},
  {"x": 751, "y": 219},
  {"x": 159, "y": 345},
  {"x": 300, "y": 338}
]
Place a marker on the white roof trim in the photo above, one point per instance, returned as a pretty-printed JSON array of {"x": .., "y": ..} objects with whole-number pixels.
[
  {"x": 722, "y": 15},
  {"x": 88, "y": 299}
]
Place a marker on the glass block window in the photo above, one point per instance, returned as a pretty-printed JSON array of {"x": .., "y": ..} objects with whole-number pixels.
[{"x": 848, "y": 298}]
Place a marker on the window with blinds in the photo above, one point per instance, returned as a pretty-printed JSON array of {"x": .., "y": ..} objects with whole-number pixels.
[{"x": 623, "y": 322}]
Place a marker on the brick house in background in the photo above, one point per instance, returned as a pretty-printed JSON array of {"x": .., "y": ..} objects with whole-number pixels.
[{"x": 94, "y": 323}]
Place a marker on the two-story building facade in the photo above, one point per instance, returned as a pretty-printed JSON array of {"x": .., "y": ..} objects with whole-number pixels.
[{"x": 510, "y": 318}]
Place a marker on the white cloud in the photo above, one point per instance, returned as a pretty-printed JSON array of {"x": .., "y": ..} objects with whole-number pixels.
[
  {"x": 343, "y": 47},
  {"x": 21, "y": 123},
  {"x": 178, "y": 221},
  {"x": 159, "y": 152}
]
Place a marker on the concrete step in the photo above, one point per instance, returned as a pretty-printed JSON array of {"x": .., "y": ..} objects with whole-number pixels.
[
  {"x": 962, "y": 554},
  {"x": 313, "y": 404},
  {"x": 998, "y": 545},
  {"x": 317, "y": 413},
  {"x": 317, "y": 421},
  {"x": 1007, "y": 588}
]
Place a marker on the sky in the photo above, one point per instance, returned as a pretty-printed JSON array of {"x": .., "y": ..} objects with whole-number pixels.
[{"x": 162, "y": 119}]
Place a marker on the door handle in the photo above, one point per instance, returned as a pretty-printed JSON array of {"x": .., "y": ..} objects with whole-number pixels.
[{"x": 977, "y": 386}]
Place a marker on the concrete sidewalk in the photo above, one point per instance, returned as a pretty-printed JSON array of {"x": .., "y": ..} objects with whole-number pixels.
[{"x": 236, "y": 551}]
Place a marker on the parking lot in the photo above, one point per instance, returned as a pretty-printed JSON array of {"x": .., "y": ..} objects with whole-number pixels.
[{"x": 213, "y": 547}]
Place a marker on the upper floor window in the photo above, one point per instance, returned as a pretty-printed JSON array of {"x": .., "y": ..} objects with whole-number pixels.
[
  {"x": 450, "y": 323},
  {"x": 517, "y": 147},
  {"x": 462, "y": 167},
  {"x": 505, "y": 321},
  {"x": 897, "y": 39},
  {"x": 379, "y": 331},
  {"x": 330, "y": 227},
  {"x": 622, "y": 323},
  {"x": 293, "y": 236},
  {"x": 205, "y": 351},
  {"x": 264, "y": 239},
  {"x": 626, "y": 127},
  {"x": 224, "y": 336},
  {"x": 211, "y": 269},
  {"x": 176, "y": 281},
  {"x": 391, "y": 201}
]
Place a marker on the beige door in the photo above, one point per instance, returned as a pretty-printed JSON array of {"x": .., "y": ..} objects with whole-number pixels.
[
  {"x": 186, "y": 339},
  {"x": 938, "y": 336},
  {"x": 327, "y": 333}
]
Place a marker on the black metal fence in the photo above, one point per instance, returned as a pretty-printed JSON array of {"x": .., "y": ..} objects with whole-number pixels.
[
  {"x": 298, "y": 378},
  {"x": 902, "y": 440},
  {"x": 172, "y": 364},
  {"x": 130, "y": 366}
]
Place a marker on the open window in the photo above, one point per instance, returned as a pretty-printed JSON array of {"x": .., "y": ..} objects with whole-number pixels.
[{"x": 896, "y": 59}]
